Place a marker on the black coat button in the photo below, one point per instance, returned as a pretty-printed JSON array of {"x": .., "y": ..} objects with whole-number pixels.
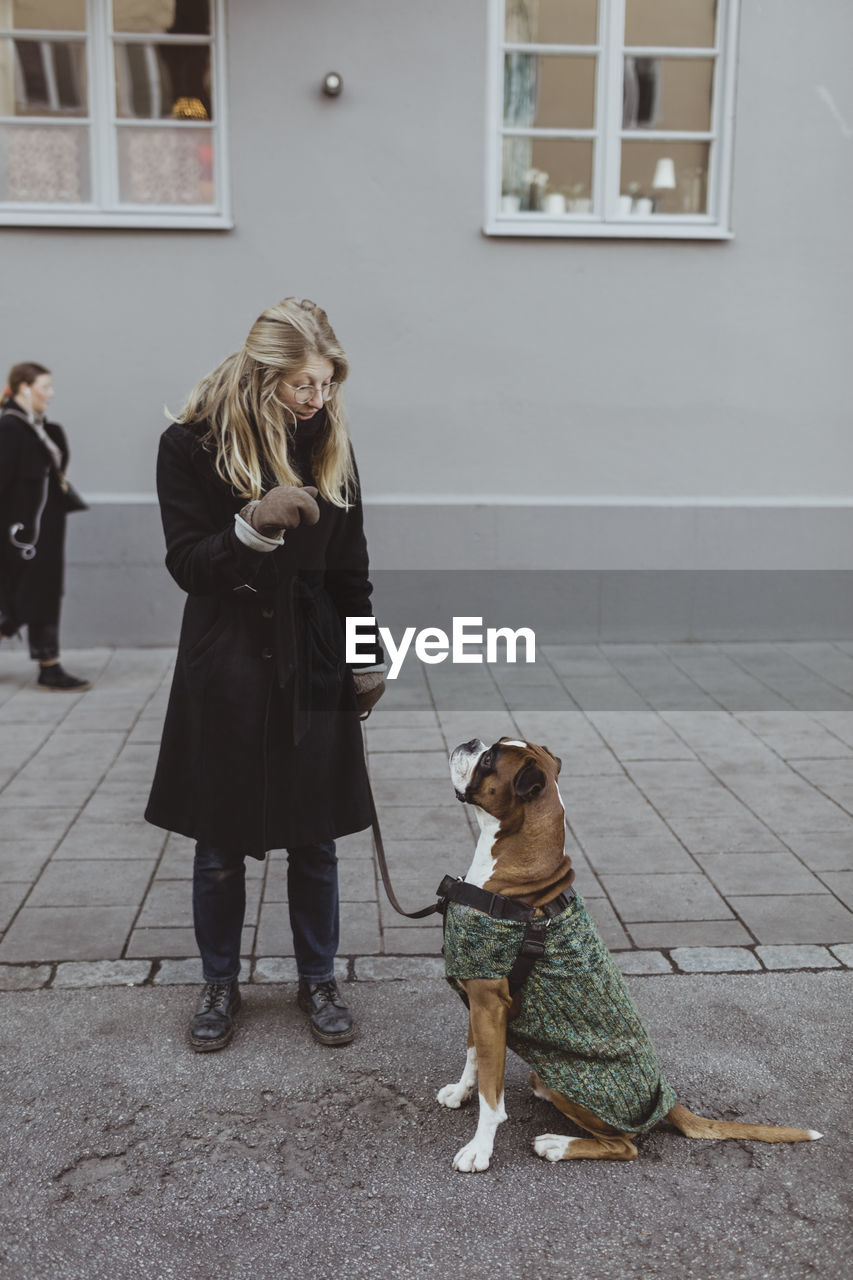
[
  {"x": 267, "y": 613},
  {"x": 266, "y": 653}
]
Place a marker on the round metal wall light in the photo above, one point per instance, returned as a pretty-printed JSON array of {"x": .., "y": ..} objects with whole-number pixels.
[{"x": 332, "y": 84}]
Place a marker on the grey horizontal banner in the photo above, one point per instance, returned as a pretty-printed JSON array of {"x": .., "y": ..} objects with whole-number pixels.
[
  {"x": 550, "y": 640},
  {"x": 580, "y": 606}
]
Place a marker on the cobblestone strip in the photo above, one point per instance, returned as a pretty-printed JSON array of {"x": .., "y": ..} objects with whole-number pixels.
[
  {"x": 102, "y": 973},
  {"x": 272, "y": 969}
]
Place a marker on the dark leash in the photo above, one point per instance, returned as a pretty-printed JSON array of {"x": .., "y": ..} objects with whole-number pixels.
[
  {"x": 496, "y": 905},
  {"x": 383, "y": 869}
]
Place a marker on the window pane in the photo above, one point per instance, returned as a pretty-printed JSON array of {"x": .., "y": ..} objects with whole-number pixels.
[
  {"x": 44, "y": 163},
  {"x": 552, "y": 21},
  {"x": 165, "y": 166},
  {"x": 550, "y": 92},
  {"x": 665, "y": 177},
  {"x": 163, "y": 81},
  {"x": 546, "y": 175},
  {"x": 690, "y": 23},
  {"x": 173, "y": 17},
  {"x": 44, "y": 15},
  {"x": 667, "y": 93},
  {"x": 42, "y": 78}
]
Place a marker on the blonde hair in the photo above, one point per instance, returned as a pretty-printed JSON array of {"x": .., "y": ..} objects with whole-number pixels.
[{"x": 248, "y": 426}]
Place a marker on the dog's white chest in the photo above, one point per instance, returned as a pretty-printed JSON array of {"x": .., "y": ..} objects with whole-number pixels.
[{"x": 483, "y": 866}]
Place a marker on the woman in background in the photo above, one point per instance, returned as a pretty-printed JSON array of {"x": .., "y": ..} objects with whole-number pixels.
[
  {"x": 33, "y": 507},
  {"x": 262, "y": 745}
]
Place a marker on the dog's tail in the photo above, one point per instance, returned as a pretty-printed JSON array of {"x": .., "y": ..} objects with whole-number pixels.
[{"x": 700, "y": 1127}]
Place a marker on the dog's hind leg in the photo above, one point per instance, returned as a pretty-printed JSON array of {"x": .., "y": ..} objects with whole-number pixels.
[
  {"x": 453, "y": 1095},
  {"x": 693, "y": 1126},
  {"x": 555, "y": 1146},
  {"x": 606, "y": 1142}
]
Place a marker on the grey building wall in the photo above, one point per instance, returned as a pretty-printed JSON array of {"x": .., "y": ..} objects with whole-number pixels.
[{"x": 595, "y": 406}]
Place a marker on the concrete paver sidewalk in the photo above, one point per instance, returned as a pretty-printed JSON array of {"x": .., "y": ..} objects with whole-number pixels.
[{"x": 709, "y": 789}]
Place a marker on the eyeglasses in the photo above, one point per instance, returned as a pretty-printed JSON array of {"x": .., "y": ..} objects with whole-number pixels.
[{"x": 305, "y": 393}]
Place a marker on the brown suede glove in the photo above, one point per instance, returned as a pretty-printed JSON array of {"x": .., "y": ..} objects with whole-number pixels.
[
  {"x": 369, "y": 688},
  {"x": 284, "y": 507}
]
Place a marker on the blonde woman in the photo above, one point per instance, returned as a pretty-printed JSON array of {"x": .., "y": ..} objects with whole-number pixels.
[{"x": 262, "y": 747}]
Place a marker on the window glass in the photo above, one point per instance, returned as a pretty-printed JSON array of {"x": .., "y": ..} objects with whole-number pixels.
[
  {"x": 549, "y": 92},
  {"x": 547, "y": 175},
  {"x": 158, "y": 81},
  {"x": 628, "y": 120},
  {"x": 551, "y": 21},
  {"x": 165, "y": 166},
  {"x": 689, "y": 23},
  {"x": 42, "y": 77},
  {"x": 664, "y": 177},
  {"x": 44, "y": 15},
  {"x": 173, "y": 17},
  {"x": 668, "y": 93},
  {"x": 44, "y": 163},
  {"x": 108, "y": 113}
]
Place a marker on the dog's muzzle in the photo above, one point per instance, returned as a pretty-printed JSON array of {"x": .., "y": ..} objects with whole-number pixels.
[{"x": 464, "y": 760}]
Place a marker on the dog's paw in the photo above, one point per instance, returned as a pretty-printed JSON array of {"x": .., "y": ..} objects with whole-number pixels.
[
  {"x": 552, "y": 1146},
  {"x": 453, "y": 1095},
  {"x": 474, "y": 1158}
]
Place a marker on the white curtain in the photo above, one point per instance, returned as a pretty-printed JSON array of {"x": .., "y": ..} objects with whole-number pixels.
[{"x": 520, "y": 93}]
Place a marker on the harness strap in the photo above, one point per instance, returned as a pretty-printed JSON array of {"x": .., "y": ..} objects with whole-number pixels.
[
  {"x": 532, "y": 949},
  {"x": 497, "y": 905}
]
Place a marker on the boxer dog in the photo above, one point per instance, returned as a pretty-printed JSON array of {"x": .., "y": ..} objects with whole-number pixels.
[{"x": 573, "y": 1018}]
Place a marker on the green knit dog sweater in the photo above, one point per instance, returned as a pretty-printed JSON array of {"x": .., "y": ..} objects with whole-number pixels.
[{"x": 578, "y": 1026}]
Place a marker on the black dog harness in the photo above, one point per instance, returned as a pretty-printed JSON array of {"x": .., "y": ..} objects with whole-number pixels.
[
  {"x": 496, "y": 905},
  {"x": 499, "y": 907}
]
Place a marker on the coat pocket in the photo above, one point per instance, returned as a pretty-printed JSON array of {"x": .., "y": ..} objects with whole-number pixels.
[
  {"x": 324, "y": 655},
  {"x": 199, "y": 650}
]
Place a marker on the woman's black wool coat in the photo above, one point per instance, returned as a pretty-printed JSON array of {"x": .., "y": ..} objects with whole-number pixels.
[
  {"x": 31, "y": 496},
  {"x": 262, "y": 745}
]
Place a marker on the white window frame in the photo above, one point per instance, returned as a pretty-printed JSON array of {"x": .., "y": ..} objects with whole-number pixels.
[
  {"x": 105, "y": 209},
  {"x": 607, "y": 136}
]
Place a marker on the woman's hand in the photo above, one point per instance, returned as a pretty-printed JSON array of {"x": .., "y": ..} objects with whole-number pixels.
[
  {"x": 285, "y": 507},
  {"x": 369, "y": 688}
]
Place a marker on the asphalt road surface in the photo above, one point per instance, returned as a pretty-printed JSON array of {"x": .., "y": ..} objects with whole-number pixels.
[{"x": 127, "y": 1157}]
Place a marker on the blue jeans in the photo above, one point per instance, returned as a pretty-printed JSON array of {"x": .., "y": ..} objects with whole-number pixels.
[{"x": 219, "y": 906}]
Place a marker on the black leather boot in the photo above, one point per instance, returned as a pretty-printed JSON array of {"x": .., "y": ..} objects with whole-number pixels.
[
  {"x": 331, "y": 1020},
  {"x": 212, "y": 1024},
  {"x": 55, "y": 677}
]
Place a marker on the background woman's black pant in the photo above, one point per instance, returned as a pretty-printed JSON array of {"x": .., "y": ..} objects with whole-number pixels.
[{"x": 43, "y": 638}]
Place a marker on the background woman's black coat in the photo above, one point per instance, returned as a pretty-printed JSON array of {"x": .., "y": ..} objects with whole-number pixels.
[
  {"x": 262, "y": 744},
  {"x": 31, "y": 496}
]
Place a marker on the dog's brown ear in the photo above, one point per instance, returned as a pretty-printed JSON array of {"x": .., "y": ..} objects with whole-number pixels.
[
  {"x": 529, "y": 780},
  {"x": 556, "y": 759}
]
